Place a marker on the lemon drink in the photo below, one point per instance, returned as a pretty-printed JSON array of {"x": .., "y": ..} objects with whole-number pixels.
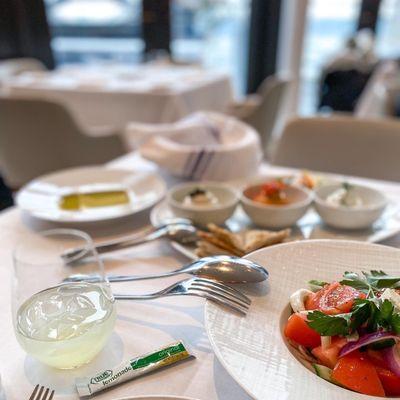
[{"x": 67, "y": 325}]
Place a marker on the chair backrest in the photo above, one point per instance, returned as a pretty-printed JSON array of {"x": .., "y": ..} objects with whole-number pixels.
[
  {"x": 264, "y": 117},
  {"x": 39, "y": 136},
  {"x": 343, "y": 145}
]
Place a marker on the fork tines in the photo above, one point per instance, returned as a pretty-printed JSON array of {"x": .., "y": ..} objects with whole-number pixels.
[
  {"x": 220, "y": 293},
  {"x": 41, "y": 393}
]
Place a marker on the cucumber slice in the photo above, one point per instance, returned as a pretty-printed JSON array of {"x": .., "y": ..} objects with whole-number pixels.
[{"x": 323, "y": 372}]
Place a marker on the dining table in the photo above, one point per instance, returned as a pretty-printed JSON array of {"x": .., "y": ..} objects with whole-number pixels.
[
  {"x": 111, "y": 96},
  {"x": 141, "y": 326}
]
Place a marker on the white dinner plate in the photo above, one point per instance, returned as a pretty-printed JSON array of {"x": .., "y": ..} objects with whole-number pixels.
[
  {"x": 252, "y": 348},
  {"x": 308, "y": 227},
  {"x": 41, "y": 196}
]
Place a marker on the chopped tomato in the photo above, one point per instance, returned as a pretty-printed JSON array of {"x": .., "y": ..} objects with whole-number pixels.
[
  {"x": 329, "y": 355},
  {"x": 354, "y": 371},
  {"x": 333, "y": 299},
  {"x": 271, "y": 193},
  {"x": 390, "y": 381},
  {"x": 298, "y": 330},
  {"x": 376, "y": 358}
]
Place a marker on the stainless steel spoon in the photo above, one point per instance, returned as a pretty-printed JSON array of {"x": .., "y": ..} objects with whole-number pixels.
[
  {"x": 180, "y": 232},
  {"x": 227, "y": 269}
]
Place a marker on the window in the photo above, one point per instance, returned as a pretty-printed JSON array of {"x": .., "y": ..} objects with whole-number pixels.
[
  {"x": 214, "y": 33},
  {"x": 329, "y": 23},
  {"x": 211, "y": 32},
  {"x": 388, "y": 29},
  {"x": 79, "y": 34}
]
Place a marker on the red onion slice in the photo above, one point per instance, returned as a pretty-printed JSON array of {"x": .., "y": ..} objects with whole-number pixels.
[
  {"x": 366, "y": 340},
  {"x": 392, "y": 357}
]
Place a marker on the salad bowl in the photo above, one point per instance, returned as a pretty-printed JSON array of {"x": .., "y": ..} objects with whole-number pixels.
[{"x": 254, "y": 350}]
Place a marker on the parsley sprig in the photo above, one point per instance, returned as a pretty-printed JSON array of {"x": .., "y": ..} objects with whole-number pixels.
[
  {"x": 371, "y": 313},
  {"x": 371, "y": 282}
]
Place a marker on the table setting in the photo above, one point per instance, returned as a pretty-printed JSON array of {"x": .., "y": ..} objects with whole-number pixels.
[{"x": 170, "y": 277}]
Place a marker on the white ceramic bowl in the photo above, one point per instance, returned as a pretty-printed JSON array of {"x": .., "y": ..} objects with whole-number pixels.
[
  {"x": 228, "y": 199},
  {"x": 276, "y": 216},
  {"x": 343, "y": 217}
]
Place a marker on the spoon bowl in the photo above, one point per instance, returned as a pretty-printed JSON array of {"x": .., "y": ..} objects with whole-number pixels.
[
  {"x": 181, "y": 233},
  {"x": 228, "y": 269}
]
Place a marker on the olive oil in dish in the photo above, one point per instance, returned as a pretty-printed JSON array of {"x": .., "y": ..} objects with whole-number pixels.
[{"x": 67, "y": 325}]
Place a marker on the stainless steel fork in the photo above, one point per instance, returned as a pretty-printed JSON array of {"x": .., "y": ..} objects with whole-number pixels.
[
  {"x": 200, "y": 287},
  {"x": 41, "y": 393}
]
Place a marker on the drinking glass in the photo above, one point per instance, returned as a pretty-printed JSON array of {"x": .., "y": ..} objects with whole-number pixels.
[{"x": 63, "y": 325}]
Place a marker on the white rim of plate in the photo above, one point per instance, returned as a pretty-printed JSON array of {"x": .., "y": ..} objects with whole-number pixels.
[{"x": 39, "y": 215}]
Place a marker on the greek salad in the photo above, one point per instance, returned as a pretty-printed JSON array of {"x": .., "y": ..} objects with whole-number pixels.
[{"x": 349, "y": 331}]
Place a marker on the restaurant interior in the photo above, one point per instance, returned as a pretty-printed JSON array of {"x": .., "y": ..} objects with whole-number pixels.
[{"x": 199, "y": 199}]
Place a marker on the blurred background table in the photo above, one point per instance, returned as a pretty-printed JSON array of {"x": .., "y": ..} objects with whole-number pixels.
[{"x": 113, "y": 95}]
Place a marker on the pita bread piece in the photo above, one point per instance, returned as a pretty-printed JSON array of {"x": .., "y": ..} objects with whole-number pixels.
[
  {"x": 232, "y": 239},
  {"x": 257, "y": 239},
  {"x": 210, "y": 238}
]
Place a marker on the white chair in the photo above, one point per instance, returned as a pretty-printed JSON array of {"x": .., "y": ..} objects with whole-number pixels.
[
  {"x": 39, "y": 136},
  {"x": 261, "y": 111},
  {"x": 343, "y": 145}
]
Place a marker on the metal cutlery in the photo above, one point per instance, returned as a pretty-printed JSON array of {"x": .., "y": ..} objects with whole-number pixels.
[
  {"x": 227, "y": 269},
  {"x": 41, "y": 393},
  {"x": 178, "y": 230},
  {"x": 199, "y": 287}
]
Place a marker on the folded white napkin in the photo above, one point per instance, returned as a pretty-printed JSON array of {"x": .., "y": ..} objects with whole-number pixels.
[{"x": 202, "y": 146}]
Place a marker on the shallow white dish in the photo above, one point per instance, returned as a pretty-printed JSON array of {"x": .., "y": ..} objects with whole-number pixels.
[
  {"x": 309, "y": 227},
  {"x": 217, "y": 213},
  {"x": 343, "y": 217},
  {"x": 40, "y": 197},
  {"x": 252, "y": 348}
]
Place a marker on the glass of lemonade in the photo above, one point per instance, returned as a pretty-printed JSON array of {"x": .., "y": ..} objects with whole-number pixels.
[{"x": 63, "y": 325}]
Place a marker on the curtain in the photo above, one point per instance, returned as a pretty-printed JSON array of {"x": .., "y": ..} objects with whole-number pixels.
[
  {"x": 263, "y": 46},
  {"x": 156, "y": 26},
  {"x": 24, "y": 31}
]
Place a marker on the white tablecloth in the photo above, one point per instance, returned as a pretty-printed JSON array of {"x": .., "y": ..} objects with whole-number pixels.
[
  {"x": 114, "y": 96},
  {"x": 140, "y": 327}
]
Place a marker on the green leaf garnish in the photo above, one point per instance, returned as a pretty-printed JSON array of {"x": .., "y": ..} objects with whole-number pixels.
[
  {"x": 386, "y": 310},
  {"x": 355, "y": 281},
  {"x": 370, "y": 282},
  {"x": 362, "y": 311},
  {"x": 365, "y": 313},
  {"x": 379, "y": 280},
  {"x": 316, "y": 285},
  {"x": 347, "y": 186},
  {"x": 329, "y": 325},
  {"x": 395, "y": 323}
]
